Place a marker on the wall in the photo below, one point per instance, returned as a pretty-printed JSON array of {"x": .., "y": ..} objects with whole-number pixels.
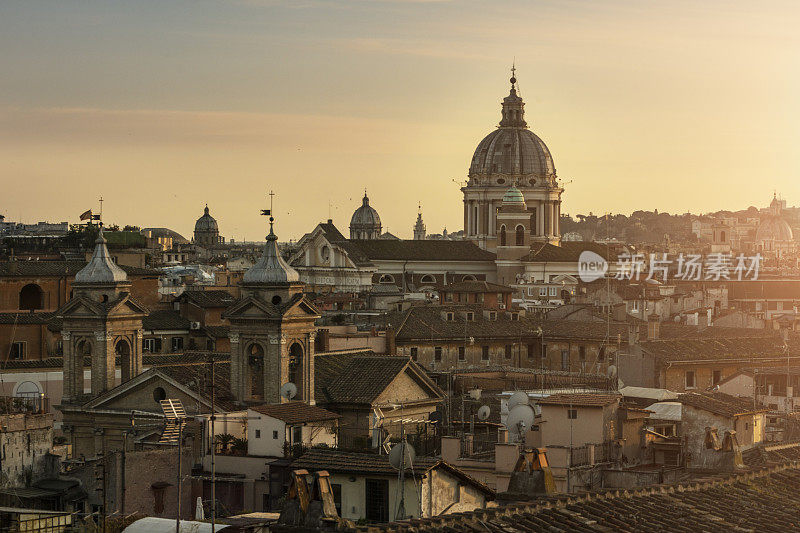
[
  {"x": 589, "y": 428},
  {"x": 443, "y": 493},
  {"x": 354, "y": 495},
  {"x": 694, "y": 425},
  {"x": 267, "y": 446},
  {"x": 25, "y": 441}
]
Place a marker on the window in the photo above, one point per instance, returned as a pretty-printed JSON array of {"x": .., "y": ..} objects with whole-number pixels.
[
  {"x": 572, "y": 414},
  {"x": 553, "y": 291},
  {"x": 564, "y": 360},
  {"x": 258, "y": 433},
  {"x": 602, "y": 355},
  {"x": 690, "y": 384},
  {"x": 520, "y": 240},
  {"x": 492, "y": 315},
  {"x": 485, "y": 353},
  {"x": 582, "y": 353},
  {"x": 297, "y": 435},
  {"x": 386, "y": 278},
  {"x": 716, "y": 377},
  {"x": 531, "y": 350},
  {"x": 508, "y": 350},
  {"x": 275, "y": 435},
  {"x": 31, "y": 297},
  {"x": 450, "y": 316},
  {"x": 177, "y": 344},
  {"x": 542, "y": 291},
  {"x": 159, "y": 394},
  {"x": 457, "y": 492},
  {"x": 414, "y": 353},
  {"x": 470, "y": 317},
  {"x": 514, "y": 316},
  {"x": 427, "y": 278},
  {"x": 502, "y": 235},
  {"x": 635, "y": 305},
  {"x": 377, "y": 500},
  {"x": 746, "y": 426},
  {"x": 336, "y": 488},
  {"x": 18, "y": 350},
  {"x": 437, "y": 353},
  {"x": 152, "y": 345},
  {"x": 462, "y": 353}
]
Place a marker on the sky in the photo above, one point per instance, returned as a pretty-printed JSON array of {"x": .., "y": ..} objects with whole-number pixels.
[{"x": 162, "y": 106}]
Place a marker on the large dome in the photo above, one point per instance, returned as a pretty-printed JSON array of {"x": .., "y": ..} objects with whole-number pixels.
[
  {"x": 516, "y": 152},
  {"x": 206, "y": 223},
  {"x": 512, "y": 153},
  {"x": 365, "y": 215}
]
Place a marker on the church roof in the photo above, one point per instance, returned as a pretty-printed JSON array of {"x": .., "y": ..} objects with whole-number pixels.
[
  {"x": 365, "y": 215},
  {"x": 60, "y": 269},
  {"x": 271, "y": 267},
  {"x": 410, "y": 250},
  {"x": 101, "y": 268},
  {"x": 206, "y": 223}
]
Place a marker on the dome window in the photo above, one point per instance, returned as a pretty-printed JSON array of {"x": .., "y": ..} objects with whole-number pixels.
[{"x": 500, "y": 181}]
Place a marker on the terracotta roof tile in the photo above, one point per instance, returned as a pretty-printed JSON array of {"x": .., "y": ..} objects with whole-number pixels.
[
  {"x": 720, "y": 403},
  {"x": 583, "y": 399},
  {"x": 295, "y": 412}
]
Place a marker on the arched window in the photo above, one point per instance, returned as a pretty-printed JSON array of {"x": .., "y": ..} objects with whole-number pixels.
[
  {"x": 722, "y": 236},
  {"x": 386, "y": 278},
  {"x": 31, "y": 297},
  {"x": 28, "y": 389},
  {"x": 255, "y": 368},
  {"x": 427, "y": 278},
  {"x": 520, "y": 235},
  {"x": 502, "y": 235},
  {"x": 296, "y": 366},
  {"x": 123, "y": 350},
  {"x": 469, "y": 277}
]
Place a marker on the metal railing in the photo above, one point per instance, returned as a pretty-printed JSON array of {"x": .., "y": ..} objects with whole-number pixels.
[{"x": 24, "y": 404}]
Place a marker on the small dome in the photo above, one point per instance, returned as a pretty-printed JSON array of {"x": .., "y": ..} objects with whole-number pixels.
[
  {"x": 271, "y": 267},
  {"x": 365, "y": 215},
  {"x": 206, "y": 223},
  {"x": 513, "y": 196},
  {"x": 101, "y": 268}
]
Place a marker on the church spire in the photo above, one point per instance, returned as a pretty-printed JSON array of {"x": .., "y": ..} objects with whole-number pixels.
[
  {"x": 513, "y": 106},
  {"x": 419, "y": 227},
  {"x": 101, "y": 267},
  {"x": 271, "y": 268}
]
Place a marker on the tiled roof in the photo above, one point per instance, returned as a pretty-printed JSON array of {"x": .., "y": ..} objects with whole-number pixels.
[
  {"x": 218, "y": 332},
  {"x": 568, "y": 252},
  {"x": 581, "y": 399},
  {"x": 475, "y": 286},
  {"x": 329, "y": 365},
  {"x": 720, "y": 403},
  {"x": 714, "y": 348},
  {"x": 164, "y": 320},
  {"x": 197, "y": 377},
  {"x": 295, "y": 412},
  {"x": 332, "y": 233},
  {"x": 767, "y": 500},
  {"x": 410, "y": 250},
  {"x": 363, "y": 378},
  {"x": 771, "y": 454},
  {"x": 356, "y": 463},
  {"x": 147, "y": 360},
  {"x": 209, "y": 299},
  {"x": 59, "y": 268},
  {"x": 26, "y": 317},
  {"x": 764, "y": 289}
]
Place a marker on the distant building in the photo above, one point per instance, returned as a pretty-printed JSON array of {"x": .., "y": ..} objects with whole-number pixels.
[
  {"x": 365, "y": 222},
  {"x": 206, "y": 231}
]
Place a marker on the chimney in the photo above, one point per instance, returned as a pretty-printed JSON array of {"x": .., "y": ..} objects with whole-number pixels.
[
  {"x": 323, "y": 341},
  {"x": 653, "y": 327},
  {"x": 391, "y": 346}
]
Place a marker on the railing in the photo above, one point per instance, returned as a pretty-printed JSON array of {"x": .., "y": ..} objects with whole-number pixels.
[
  {"x": 590, "y": 454},
  {"x": 24, "y": 404}
]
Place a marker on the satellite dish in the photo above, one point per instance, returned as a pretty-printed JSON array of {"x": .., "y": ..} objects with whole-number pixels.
[
  {"x": 397, "y": 452},
  {"x": 289, "y": 390},
  {"x": 475, "y": 394},
  {"x": 520, "y": 420},
  {"x": 518, "y": 398},
  {"x": 483, "y": 412},
  {"x": 612, "y": 371},
  {"x": 435, "y": 417}
]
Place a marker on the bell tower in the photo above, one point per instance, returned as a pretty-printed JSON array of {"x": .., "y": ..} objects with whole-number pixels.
[
  {"x": 272, "y": 330},
  {"x": 101, "y": 322}
]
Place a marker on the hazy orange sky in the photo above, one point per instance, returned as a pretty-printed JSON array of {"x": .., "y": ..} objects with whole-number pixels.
[{"x": 162, "y": 106}]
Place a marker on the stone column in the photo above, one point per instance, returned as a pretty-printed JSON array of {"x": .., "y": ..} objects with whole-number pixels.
[
  {"x": 558, "y": 219},
  {"x": 136, "y": 356},
  {"x": 100, "y": 363},
  {"x": 466, "y": 216},
  {"x": 273, "y": 380},
  {"x": 69, "y": 368},
  {"x": 540, "y": 219},
  {"x": 236, "y": 367}
]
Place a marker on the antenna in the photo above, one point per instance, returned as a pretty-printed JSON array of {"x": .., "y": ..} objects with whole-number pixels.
[{"x": 289, "y": 390}]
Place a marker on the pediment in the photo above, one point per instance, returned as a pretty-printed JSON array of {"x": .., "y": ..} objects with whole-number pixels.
[
  {"x": 80, "y": 307},
  {"x": 249, "y": 308},
  {"x": 138, "y": 393}
]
